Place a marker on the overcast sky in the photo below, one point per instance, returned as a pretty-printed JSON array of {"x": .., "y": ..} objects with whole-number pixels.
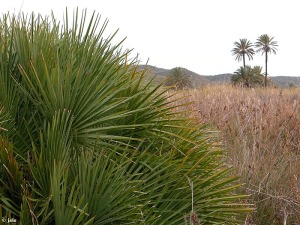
[{"x": 194, "y": 34}]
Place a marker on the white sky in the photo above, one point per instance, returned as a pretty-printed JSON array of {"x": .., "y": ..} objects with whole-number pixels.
[{"x": 194, "y": 34}]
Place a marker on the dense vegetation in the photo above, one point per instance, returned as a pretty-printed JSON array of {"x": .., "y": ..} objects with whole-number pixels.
[
  {"x": 260, "y": 128},
  {"x": 84, "y": 140}
]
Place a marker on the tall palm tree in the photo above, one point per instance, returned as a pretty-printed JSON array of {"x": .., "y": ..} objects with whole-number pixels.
[
  {"x": 178, "y": 78},
  {"x": 242, "y": 49},
  {"x": 266, "y": 45}
]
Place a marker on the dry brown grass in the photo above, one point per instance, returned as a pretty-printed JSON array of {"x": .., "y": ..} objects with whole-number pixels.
[{"x": 260, "y": 128}]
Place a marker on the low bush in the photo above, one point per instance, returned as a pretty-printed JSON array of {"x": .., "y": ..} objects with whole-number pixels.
[{"x": 85, "y": 140}]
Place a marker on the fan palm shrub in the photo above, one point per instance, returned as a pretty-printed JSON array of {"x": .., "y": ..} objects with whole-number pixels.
[
  {"x": 248, "y": 77},
  {"x": 178, "y": 79},
  {"x": 84, "y": 140}
]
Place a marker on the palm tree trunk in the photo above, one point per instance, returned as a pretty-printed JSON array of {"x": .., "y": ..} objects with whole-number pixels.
[
  {"x": 266, "y": 74},
  {"x": 244, "y": 63}
]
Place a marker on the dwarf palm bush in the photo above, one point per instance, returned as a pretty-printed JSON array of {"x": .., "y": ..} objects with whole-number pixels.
[
  {"x": 84, "y": 140},
  {"x": 248, "y": 77},
  {"x": 178, "y": 79}
]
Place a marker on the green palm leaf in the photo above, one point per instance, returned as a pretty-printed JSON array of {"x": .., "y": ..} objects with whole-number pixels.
[
  {"x": 84, "y": 139},
  {"x": 241, "y": 49},
  {"x": 178, "y": 79}
]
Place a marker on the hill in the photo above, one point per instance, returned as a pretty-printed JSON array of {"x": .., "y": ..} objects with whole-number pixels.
[
  {"x": 286, "y": 81},
  {"x": 199, "y": 80},
  {"x": 161, "y": 74}
]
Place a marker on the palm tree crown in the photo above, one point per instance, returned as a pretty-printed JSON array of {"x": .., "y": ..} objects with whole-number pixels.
[
  {"x": 241, "y": 49},
  {"x": 265, "y": 44}
]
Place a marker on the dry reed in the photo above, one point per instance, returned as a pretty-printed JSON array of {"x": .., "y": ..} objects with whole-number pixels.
[{"x": 260, "y": 128}]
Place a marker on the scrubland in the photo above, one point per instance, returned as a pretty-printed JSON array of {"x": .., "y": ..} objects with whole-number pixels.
[{"x": 260, "y": 132}]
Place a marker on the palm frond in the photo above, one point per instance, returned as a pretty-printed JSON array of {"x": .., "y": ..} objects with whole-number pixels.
[
  {"x": 243, "y": 48},
  {"x": 84, "y": 139}
]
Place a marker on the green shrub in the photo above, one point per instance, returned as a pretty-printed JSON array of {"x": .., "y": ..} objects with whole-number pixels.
[{"x": 84, "y": 140}]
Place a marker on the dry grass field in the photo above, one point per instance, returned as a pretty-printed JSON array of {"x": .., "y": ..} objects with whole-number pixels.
[{"x": 260, "y": 129}]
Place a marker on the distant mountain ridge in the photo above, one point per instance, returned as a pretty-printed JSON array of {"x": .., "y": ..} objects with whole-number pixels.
[
  {"x": 198, "y": 80},
  {"x": 160, "y": 73}
]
